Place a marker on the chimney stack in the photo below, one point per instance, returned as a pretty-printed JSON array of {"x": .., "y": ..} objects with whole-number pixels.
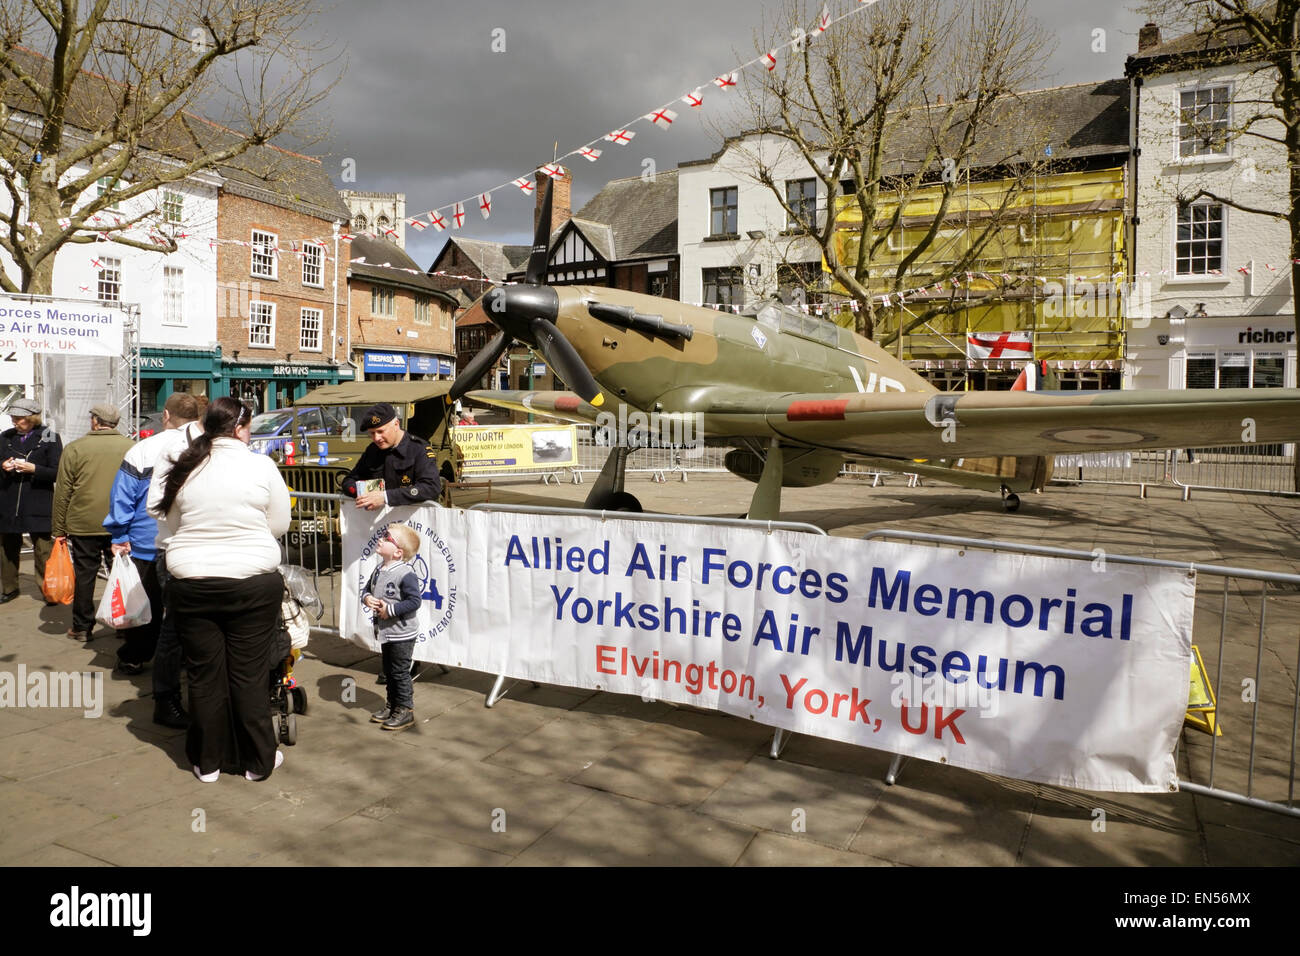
[
  {"x": 1148, "y": 36},
  {"x": 561, "y": 203}
]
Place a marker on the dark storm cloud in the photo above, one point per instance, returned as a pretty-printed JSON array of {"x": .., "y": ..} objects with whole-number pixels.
[{"x": 427, "y": 108}]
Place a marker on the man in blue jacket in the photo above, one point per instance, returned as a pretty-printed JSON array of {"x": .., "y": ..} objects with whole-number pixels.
[{"x": 135, "y": 532}]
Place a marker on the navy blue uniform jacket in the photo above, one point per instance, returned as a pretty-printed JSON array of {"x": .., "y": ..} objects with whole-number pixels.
[{"x": 409, "y": 470}]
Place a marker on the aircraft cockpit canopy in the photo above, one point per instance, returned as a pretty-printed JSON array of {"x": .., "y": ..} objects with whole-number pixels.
[{"x": 779, "y": 317}]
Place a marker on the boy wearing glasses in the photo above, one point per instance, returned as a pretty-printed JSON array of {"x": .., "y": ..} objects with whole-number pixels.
[{"x": 393, "y": 596}]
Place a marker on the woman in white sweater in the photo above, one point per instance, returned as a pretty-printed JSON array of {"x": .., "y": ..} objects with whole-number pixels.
[{"x": 225, "y": 506}]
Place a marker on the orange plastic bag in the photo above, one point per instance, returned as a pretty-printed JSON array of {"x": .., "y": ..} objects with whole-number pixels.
[{"x": 58, "y": 584}]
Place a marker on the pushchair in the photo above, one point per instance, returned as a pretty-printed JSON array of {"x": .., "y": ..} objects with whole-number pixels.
[{"x": 287, "y": 697}]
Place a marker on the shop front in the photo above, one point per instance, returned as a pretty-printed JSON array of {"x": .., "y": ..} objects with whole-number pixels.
[
  {"x": 271, "y": 385},
  {"x": 167, "y": 370},
  {"x": 1205, "y": 352},
  {"x": 428, "y": 368},
  {"x": 384, "y": 366}
]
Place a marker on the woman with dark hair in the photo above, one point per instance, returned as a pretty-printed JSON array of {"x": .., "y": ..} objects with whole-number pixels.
[{"x": 225, "y": 507}]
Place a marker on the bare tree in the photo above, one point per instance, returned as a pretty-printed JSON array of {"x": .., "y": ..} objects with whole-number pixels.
[
  {"x": 908, "y": 97},
  {"x": 102, "y": 102}
]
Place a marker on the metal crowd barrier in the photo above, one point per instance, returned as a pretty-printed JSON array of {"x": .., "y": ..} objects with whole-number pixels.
[
  {"x": 1261, "y": 771},
  {"x": 1255, "y": 469},
  {"x": 1138, "y": 468},
  {"x": 1262, "y": 469}
]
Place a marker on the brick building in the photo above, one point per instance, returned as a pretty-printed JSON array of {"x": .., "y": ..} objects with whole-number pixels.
[
  {"x": 399, "y": 323},
  {"x": 281, "y": 279}
]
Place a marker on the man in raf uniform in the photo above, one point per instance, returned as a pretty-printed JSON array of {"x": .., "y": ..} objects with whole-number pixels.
[{"x": 407, "y": 464}]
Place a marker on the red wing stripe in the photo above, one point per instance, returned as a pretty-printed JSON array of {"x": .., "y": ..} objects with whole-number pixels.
[
  {"x": 817, "y": 411},
  {"x": 567, "y": 403}
]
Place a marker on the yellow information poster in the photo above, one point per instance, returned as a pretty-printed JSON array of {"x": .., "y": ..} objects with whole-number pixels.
[{"x": 490, "y": 449}]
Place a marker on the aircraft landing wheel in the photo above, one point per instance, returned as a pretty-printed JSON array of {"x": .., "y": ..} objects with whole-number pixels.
[
  {"x": 1011, "y": 502},
  {"x": 620, "y": 501}
]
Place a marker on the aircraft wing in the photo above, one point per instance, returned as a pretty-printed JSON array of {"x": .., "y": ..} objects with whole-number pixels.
[
  {"x": 981, "y": 424},
  {"x": 914, "y": 425},
  {"x": 565, "y": 406}
]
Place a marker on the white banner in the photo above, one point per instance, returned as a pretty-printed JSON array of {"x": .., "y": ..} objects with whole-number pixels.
[
  {"x": 61, "y": 326},
  {"x": 1063, "y": 672}
]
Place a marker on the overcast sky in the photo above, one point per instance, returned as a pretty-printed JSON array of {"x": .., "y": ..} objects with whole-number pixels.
[{"x": 428, "y": 108}]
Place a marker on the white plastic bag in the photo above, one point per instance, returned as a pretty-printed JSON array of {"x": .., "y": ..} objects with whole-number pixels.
[{"x": 125, "y": 603}]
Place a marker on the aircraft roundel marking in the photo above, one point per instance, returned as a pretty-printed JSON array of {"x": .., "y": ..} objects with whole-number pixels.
[
  {"x": 831, "y": 410},
  {"x": 567, "y": 403},
  {"x": 1097, "y": 436}
]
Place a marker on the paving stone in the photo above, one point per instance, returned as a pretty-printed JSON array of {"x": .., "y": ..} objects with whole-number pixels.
[
  {"x": 771, "y": 849},
  {"x": 668, "y": 765},
  {"x": 795, "y": 800},
  {"x": 31, "y": 819},
  {"x": 1065, "y": 836},
  {"x": 610, "y": 830},
  {"x": 1230, "y": 846},
  {"x": 494, "y": 808},
  {"x": 362, "y": 841}
]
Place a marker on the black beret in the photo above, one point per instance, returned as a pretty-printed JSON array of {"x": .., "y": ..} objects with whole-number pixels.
[{"x": 378, "y": 415}]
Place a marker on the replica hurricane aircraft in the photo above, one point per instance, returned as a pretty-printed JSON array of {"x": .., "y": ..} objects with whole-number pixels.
[{"x": 795, "y": 396}]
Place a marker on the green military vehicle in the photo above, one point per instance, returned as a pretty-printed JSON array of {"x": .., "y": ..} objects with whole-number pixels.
[{"x": 327, "y": 440}]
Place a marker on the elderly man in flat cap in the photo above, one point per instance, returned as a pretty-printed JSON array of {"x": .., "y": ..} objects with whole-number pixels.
[
  {"x": 81, "y": 498},
  {"x": 29, "y": 463},
  {"x": 407, "y": 465}
]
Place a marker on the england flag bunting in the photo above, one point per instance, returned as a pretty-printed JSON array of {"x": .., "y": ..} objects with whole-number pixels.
[
  {"x": 437, "y": 221},
  {"x": 527, "y": 185},
  {"x": 662, "y": 118},
  {"x": 589, "y": 154},
  {"x": 391, "y": 233},
  {"x": 693, "y": 99},
  {"x": 344, "y": 237},
  {"x": 726, "y": 80},
  {"x": 485, "y": 204},
  {"x": 999, "y": 345},
  {"x": 458, "y": 215},
  {"x": 418, "y": 224},
  {"x": 620, "y": 136},
  {"x": 554, "y": 170},
  {"x": 770, "y": 60},
  {"x": 64, "y": 223},
  {"x": 825, "y": 20}
]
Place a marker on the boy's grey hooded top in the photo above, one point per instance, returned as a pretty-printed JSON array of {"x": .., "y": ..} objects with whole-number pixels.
[{"x": 399, "y": 589}]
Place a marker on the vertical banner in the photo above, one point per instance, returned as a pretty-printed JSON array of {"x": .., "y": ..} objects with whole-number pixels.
[{"x": 1063, "y": 672}]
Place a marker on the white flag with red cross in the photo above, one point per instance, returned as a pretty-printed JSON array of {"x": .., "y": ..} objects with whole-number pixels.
[
  {"x": 418, "y": 224},
  {"x": 620, "y": 136},
  {"x": 999, "y": 345},
  {"x": 770, "y": 60},
  {"x": 554, "y": 170},
  {"x": 824, "y": 20},
  {"x": 694, "y": 99},
  {"x": 485, "y": 204},
  {"x": 589, "y": 154},
  {"x": 726, "y": 80},
  {"x": 525, "y": 184},
  {"x": 437, "y": 221},
  {"x": 458, "y": 215},
  {"x": 662, "y": 118}
]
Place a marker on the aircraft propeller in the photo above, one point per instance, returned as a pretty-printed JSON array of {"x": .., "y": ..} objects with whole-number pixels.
[{"x": 527, "y": 313}]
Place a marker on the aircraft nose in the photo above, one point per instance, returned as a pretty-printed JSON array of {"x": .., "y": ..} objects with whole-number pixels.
[{"x": 513, "y": 308}]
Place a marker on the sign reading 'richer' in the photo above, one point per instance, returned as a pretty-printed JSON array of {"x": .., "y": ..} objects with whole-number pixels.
[{"x": 1056, "y": 671}]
